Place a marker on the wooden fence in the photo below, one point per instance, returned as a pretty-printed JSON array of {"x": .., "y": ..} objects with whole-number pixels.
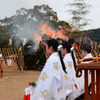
[{"x": 17, "y": 58}]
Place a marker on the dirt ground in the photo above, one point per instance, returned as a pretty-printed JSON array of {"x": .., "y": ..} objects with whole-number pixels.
[{"x": 15, "y": 89}]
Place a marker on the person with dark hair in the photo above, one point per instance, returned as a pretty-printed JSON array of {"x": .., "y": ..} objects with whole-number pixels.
[
  {"x": 72, "y": 42},
  {"x": 86, "y": 53},
  {"x": 69, "y": 60},
  {"x": 53, "y": 82},
  {"x": 52, "y": 44}
]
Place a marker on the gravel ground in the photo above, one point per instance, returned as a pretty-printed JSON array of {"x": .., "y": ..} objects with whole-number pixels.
[{"x": 15, "y": 89}]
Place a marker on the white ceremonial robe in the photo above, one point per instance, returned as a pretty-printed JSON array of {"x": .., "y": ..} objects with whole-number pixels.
[
  {"x": 0, "y": 55},
  {"x": 76, "y": 83},
  {"x": 53, "y": 83},
  {"x": 89, "y": 55}
]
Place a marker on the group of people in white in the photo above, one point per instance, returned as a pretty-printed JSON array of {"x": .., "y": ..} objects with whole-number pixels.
[{"x": 58, "y": 80}]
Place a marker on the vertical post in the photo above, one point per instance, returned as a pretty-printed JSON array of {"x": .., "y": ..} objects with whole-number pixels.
[
  {"x": 93, "y": 84},
  {"x": 86, "y": 84},
  {"x": 9, "y": 72},
  {"x": 9, "y": 63},
  {"x": 9, "y": 80},
  {"x": 98, "y": 84},
  {"x": 0, "y": 67}
]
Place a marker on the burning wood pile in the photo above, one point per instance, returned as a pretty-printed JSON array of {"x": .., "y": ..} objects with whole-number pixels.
[{"x": 63, "y": 34}]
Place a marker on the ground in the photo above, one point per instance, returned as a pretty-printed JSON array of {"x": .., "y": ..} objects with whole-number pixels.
[{"x": 15, "y": 89}]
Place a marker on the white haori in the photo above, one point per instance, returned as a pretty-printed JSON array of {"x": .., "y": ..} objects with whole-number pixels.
[
  {"x": 89, "y": 55},
  {"x": 52, "y": 84},
  {"x": 0, "y": 55},
  {"x": 77, "y": 84}
]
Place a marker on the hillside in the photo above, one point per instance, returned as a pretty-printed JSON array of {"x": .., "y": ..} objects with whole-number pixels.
[{"x": 94, "y": 34}]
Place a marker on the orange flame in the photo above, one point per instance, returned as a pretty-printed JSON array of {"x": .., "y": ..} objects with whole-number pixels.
[
  {"x": 51, "y": 33},
  {"x": 47, "y": 30},
  {"x": 37, "y": 37}
]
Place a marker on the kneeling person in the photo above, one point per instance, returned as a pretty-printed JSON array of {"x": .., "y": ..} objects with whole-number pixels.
[
  {"x": 51, "y": 82},
  {"x": 76, "y": 83}
]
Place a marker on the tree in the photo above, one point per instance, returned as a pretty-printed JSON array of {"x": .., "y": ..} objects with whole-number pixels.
[
  {"x": 22, "y": 26},
  {"x": 26, "y": 21},
  {"x": 64, "y": 24},
  {"x": 78, "y": 11},
  {"x": 4, "y": 37}
]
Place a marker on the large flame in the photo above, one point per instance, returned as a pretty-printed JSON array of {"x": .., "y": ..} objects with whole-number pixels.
[
  {"x": 44, "y": 29},
  {"x": 51, "y": 33},
  {"x": 47, "y": 30}
]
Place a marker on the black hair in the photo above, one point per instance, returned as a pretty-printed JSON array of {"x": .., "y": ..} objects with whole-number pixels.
[
  {"x": 88, "y": 50},
  {"x": 68, "y": 46},
  {"x": 86, "y": 47},
  {"x": 54, "y": 43},
  {"x": 62, "y": 62},
  {"x": 71, "y": 40},
  {"x": 74, "y": 61}
]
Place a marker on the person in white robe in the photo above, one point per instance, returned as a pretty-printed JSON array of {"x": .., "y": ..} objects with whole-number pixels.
[
  {"x": 77, "y": 83},
  {"x": 53, "y": 83},
  {"x": 72, "y": 42},
  {"x": 86, "y": 53}
]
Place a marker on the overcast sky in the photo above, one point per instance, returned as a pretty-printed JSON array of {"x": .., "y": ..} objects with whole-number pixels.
[{"x": 8, "y": 8}]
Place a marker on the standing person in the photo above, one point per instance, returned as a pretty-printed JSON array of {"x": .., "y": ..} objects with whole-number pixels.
[
  {"x": 53, "y": 83},
  {"x": 76, "y": 83}
]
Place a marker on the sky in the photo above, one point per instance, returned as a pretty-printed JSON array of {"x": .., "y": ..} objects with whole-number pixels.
[{"x": 8, "y": 8}]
